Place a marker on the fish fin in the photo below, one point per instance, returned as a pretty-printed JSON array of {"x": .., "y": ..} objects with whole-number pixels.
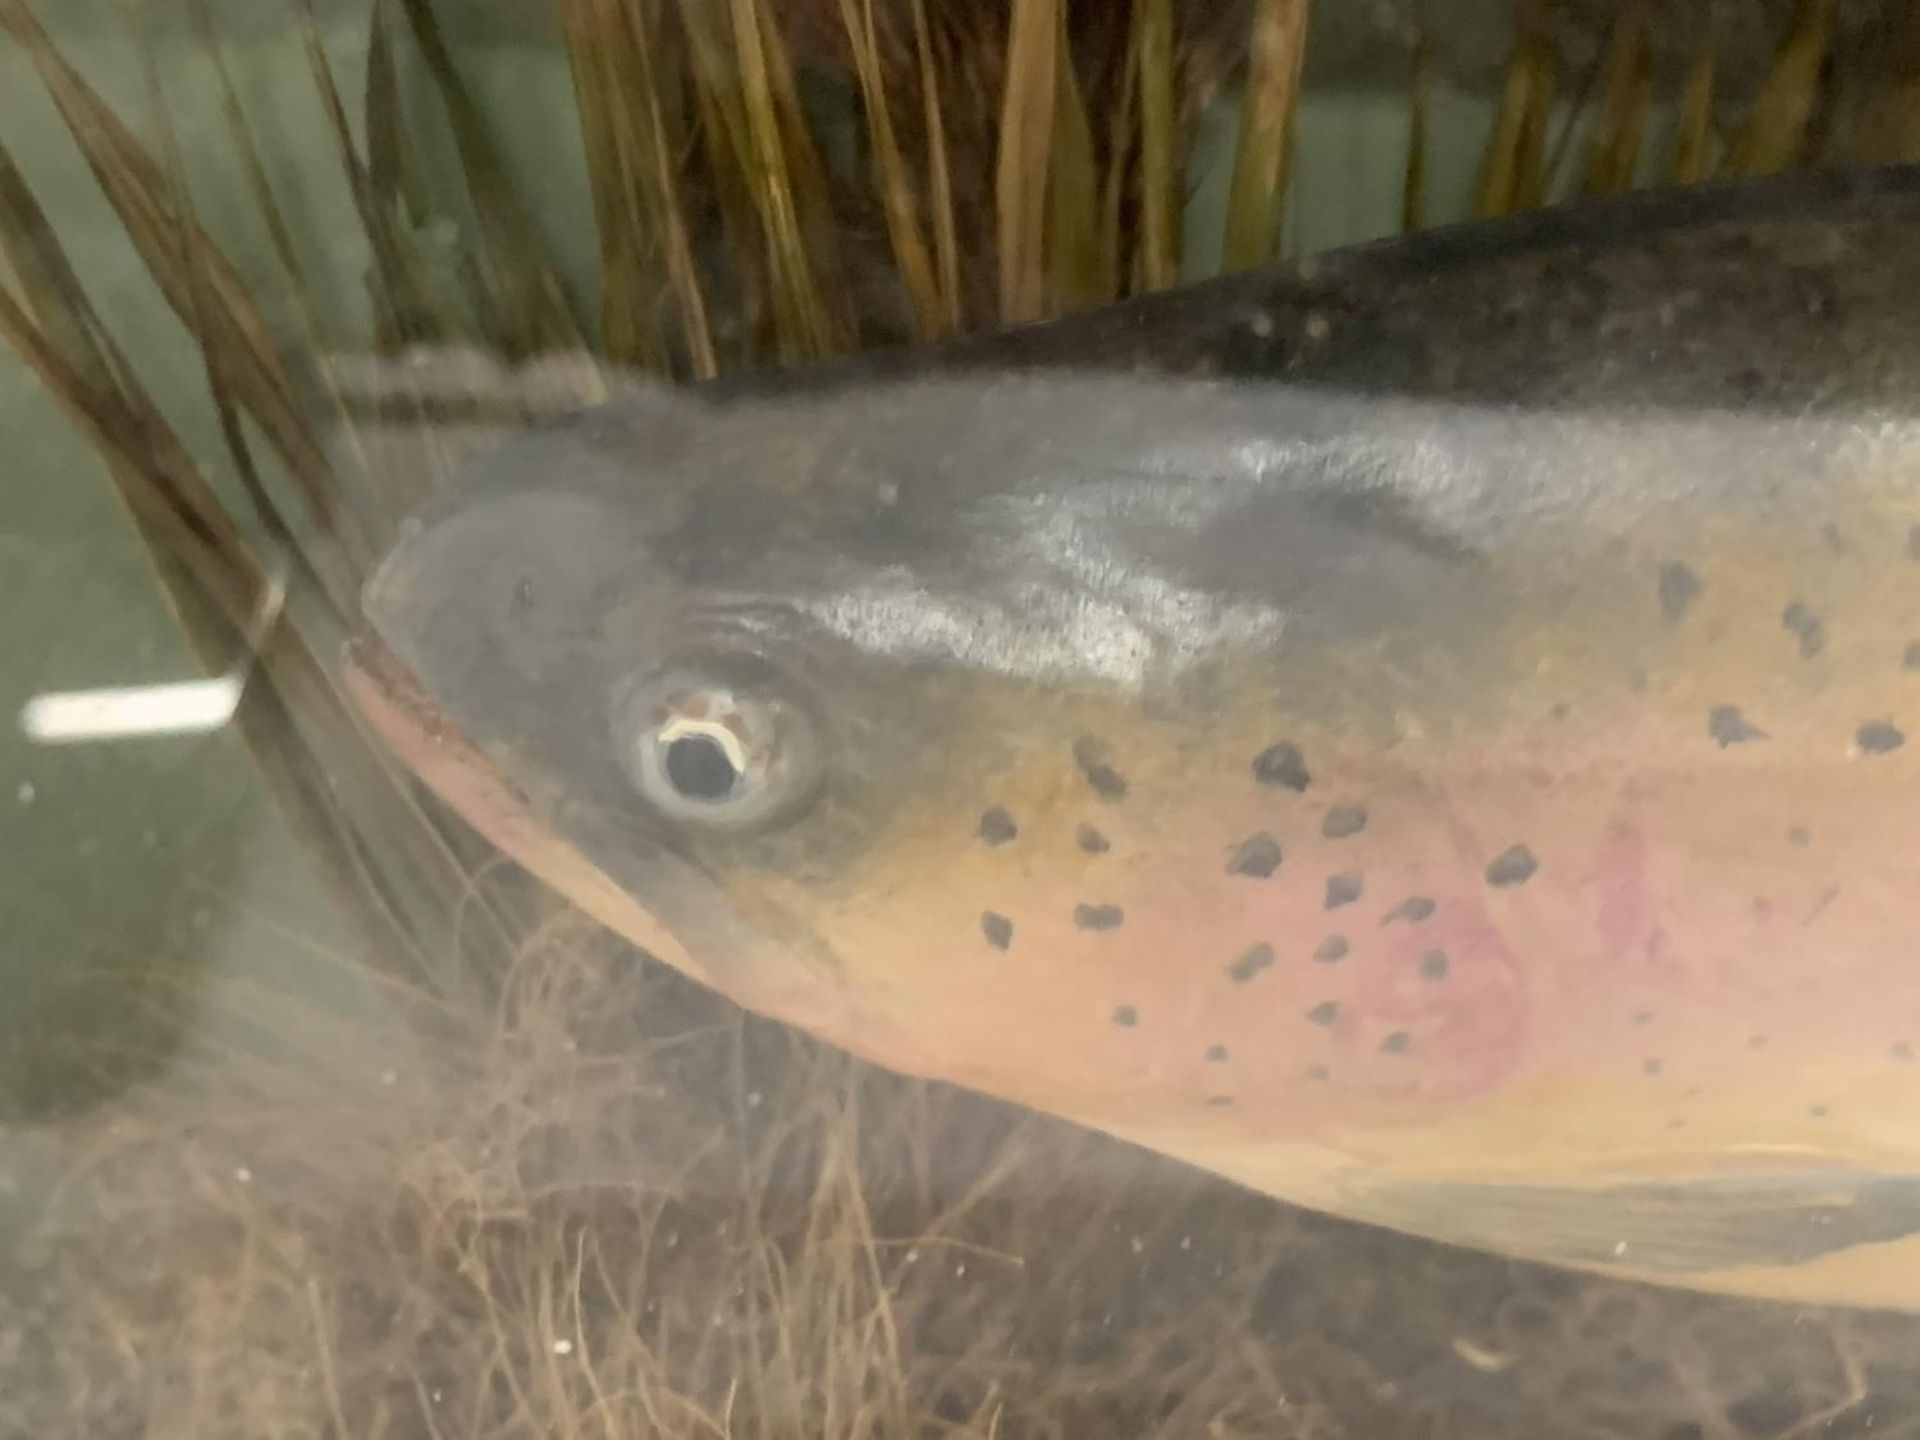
[{"x": 1693, "y": 1227}]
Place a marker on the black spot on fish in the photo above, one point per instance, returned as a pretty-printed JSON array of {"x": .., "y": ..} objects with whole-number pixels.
[
  {"x": 1747, "y": 383},
  {"x": 1398, "y": 1043},
  {"x": 1343, "y": 889},
  {"x": 1257, "y": 857},
  {"x": 1913, "y": 542},
  {"x": 1757, "y": 1042},
  {"x": 1799, "y": 837},
  {"x": 1652, "y": 1066},
  {"x": 1219, "y": 1102},
  {"x": 1513, "y": 866},
  {"x": 1091, "y": 840},
  {"x": 1911, "y": 660},
  {"x": 1879, "y": 737},
  {"x": 1836, "y": 540},
  {"x": 1256, "y": 959},
  {"x": 1343, "y": 821},
  {"x": 998, "y": 929},
  {"x": 1413, "y": 910},
  {"x": 1902, "y": 1051},
  {"x": 1098, "y": 917},
  {"x": 1801, "y": 623},
  {"x": 1126, "y": 1017},
  {"x": 1433, "y": 964},
  {"x": 1331, "y": 950},
  {"x": 1642, "y": 1017},
  {"x": 1216, "y": 1054},
  {"x": 1282, "y": 767},
  {"x": 1325, "y": 1013},
  {"x": 1679, "y": 588},
  {"x": 1728, "y": 726},
  {"x": 997, "y": 827},
  {"x": 1318, "y": 1073},
  {"x": 1818, "y": 1112},
  {"x": 1096, "y": 764}
]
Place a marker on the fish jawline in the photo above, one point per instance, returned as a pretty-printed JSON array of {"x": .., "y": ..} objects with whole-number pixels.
[{"x": 430, "y": 745}]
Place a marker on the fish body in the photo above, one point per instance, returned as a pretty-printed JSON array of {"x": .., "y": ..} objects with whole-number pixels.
[{"x": 1431, "y": 734}]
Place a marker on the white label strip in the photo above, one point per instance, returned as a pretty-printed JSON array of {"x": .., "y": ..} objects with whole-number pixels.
[{"x": 183, "y": 708}]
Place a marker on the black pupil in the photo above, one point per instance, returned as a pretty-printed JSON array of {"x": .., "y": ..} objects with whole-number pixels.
[{"x": 699, "y": 768}]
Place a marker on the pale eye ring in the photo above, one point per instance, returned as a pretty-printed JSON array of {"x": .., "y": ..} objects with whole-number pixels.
[{"x": 714, "y": 751}]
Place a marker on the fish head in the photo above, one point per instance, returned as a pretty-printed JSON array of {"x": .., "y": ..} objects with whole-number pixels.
[{"x": 943, "y": 721}]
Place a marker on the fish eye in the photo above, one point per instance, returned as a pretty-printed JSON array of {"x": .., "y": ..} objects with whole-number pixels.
[
  {"x": 723, "y": 751},
  {"x": 703, "y": 767}
]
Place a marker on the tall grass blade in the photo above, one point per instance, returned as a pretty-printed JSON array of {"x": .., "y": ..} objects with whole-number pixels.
[
  {"x": 1122, "y": 267},
  {"x": 730, "y": 169},
  {"x": 796, "y": 289},
  {"x": 1078, "y": 273},
  {"x": 1255, "y": 192},
  {"x": 1625, "y": 99},
  {"x": 396, "y": 180},
  {"x": 407, "y": 306},
  {"x": 180, "y": 256},
  {"x": 528, "y": 291},
  {"x": 1022, "y": 176},
  {"x": 1494, "y": 194},
  {"x": 741, "y": 117},
  {"x": 324, "y": 568},
  {"x": 636, "y": 187},
  {"x": 210, "y": 586},
  {"x": 1156, "y": 70},
  {"x": 216, "y": 586},
  {"x": 1693, "y": 126},
  {"x": 1897, "y": 112},
  {"x": 402, "y": 196},
  {"x": 595, "y": 35},
  {"x": 1532, "y": 170},
  {"x": 891, "y": 178},
  {"x": 253, "y": 165},
  {"x": 819, "y": 224},
  {"x": 1413, "y": 186},
  {"x": 946, "y": 239},
  {"x": 1875, "y": 116},
  {"x": 1774, "y": 135},
  {"x": 661, "y": 164},
  {"x": 69, "y": 329},
  {"x": 343, "y": 798},
  {"x": 1513, "y": 172}
]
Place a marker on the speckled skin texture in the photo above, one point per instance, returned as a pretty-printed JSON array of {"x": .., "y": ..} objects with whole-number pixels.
[{"x": 1426, "y": 735}]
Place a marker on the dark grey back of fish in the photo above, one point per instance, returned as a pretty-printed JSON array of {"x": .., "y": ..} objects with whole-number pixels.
[
  {"x": 1786, "y": 293},
  {"x": 1527, "y": 388}
]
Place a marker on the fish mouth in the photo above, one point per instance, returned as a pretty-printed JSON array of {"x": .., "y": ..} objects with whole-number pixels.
[
  {"x": 430, "y": 744},
  {"x": 607, "y": 877}
]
